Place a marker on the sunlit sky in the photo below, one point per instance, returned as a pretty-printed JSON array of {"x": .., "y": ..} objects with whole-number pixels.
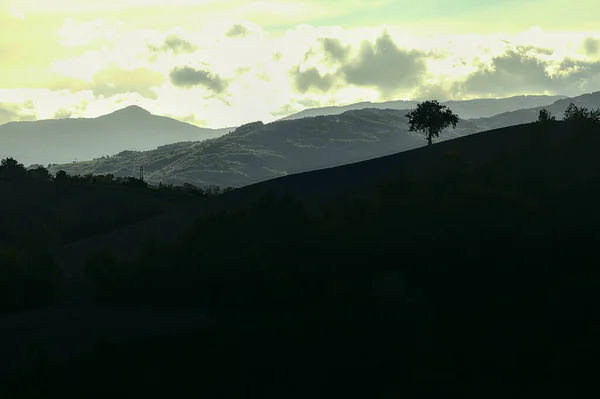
[{"x": 217, "y": 63}]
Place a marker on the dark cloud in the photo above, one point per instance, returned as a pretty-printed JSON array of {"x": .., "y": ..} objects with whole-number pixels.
[
  {"x": 311, "y": 78},
  {"x": 591, "y": 46},
  {"x": 510, "y": 70},
  {"x": 335, "y": 49},
  {"x": 175, "y": 44},
  {"x": 237, "y": 30},
  {"x": 382, "y": 65},
  {"x": 517, "y": 72},
  {"x": 385, "y": 66},
  {"x": 116, "y": 80},
  {"x": 189, "y": 77}
]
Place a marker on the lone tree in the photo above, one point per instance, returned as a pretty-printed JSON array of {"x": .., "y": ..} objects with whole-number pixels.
[{"x": 431, "y": 118}]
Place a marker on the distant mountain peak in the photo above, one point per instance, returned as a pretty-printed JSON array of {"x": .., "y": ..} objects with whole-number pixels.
[{"x": 132, "y": 110}]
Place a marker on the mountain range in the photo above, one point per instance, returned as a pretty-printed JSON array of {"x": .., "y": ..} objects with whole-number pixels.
[
  {"x": 557, "y": 108},
  {"x": 465, "y": 109},
  {"x": 66, "y": 140},
  {"x": 60, "y": 141},
  {"x": 255, "y": 151}
]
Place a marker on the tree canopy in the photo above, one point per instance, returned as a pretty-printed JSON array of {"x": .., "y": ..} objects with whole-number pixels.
[
  {"x": 581, "y": 114},
  {"x": 545, "y": 116},
  {"x": 430, "y": 117}
]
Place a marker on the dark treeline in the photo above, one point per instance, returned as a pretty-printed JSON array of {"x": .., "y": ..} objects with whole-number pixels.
[
  {"x": 12, "y": 170},
  {"x": 471, "y": 282},
  {"x": 40, "y": 212}
]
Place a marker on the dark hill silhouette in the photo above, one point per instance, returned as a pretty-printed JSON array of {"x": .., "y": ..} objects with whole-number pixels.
[
  {"x": 65, "y": 140},
  {"x": 465, "y": 109},
  {"x": 463, "y": 269},
  {"x": 360, "y": 178}
]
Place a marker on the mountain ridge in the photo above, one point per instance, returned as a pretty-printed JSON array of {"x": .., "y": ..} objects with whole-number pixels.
[
  {"x": 466, "y": 109},
  {"x": 53, "y": 141},
  {"x": 256, "y": 151}
]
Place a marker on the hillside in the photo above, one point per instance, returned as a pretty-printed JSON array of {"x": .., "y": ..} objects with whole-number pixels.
[
  {"x": 465, "y": 269},
  {"x": 465, "y": 109},
  {"x": 257, "y": 151},
  {"x": 313, "y": 187},
  {"x": 65, "y": 140}
]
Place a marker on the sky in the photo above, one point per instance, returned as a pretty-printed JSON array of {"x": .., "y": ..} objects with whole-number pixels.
[{"x": 221, "y": 63}]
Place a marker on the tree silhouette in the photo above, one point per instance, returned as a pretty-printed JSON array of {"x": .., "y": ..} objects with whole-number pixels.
[
  {"x": 545, "y": 116},
  {"x": 39, "y": 173},
  {"x": 581, "y": 114},
  {"x": 10, "y": 169},
  {"x": 430, "y": 117},
  {"x": 61, "y": 175}
]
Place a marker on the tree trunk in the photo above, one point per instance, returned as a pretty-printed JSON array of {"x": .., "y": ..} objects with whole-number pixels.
[{"x": 429, "y": 137}]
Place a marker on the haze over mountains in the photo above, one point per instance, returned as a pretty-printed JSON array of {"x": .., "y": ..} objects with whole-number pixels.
[
  {"x": 465, "y": 109},
  {"x": 257, "y": 151},
  {"x": 132, "y": 128},
  {"x": 66, "y": 140},
  {"x": 589, "y": 100}
]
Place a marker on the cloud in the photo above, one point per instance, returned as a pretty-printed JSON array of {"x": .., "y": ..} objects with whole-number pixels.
[
  {"x": 62, "y": 113},
  {"x": 335, "y": 50},
  {"x": 591, "y": 46},
  {"x": 533, "y": 49},
  {"x": 382, "y": 65},
  {"x": 510, "y": 69},
  {"x": 285, "y": 110},
  {"x": 176, "y": 44},
  {"x": 10, "y": 112},
  {"x": 517, "y": 72},
  {"x": 386, "y": 66},
  {"x": 237, "y": 30},
  {"x": 277, "y": 56},
  {"x": 312, "y": 78},
  {"x": 116, "y": 80},
  {"x": 189, "y": 77},
  {"x": 189, "y": 118}
]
